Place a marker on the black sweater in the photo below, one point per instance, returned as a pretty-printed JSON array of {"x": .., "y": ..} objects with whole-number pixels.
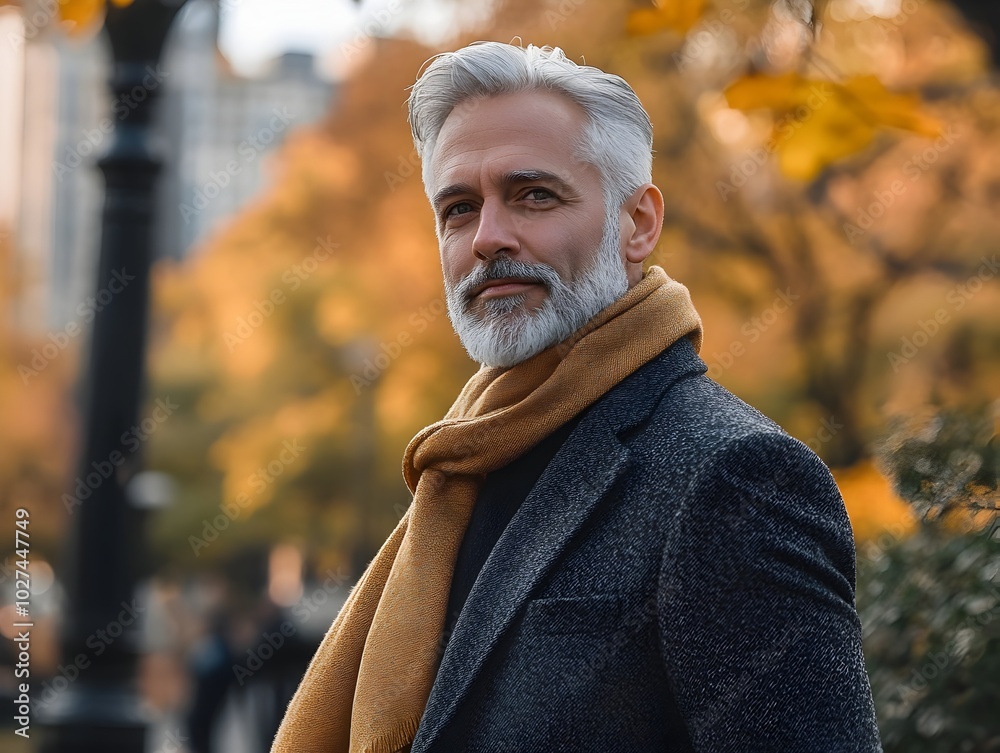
[{"x": 501, "y": 494}]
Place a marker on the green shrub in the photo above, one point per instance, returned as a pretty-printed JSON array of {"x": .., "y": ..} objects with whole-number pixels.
[{"x": 930, "y": 602}]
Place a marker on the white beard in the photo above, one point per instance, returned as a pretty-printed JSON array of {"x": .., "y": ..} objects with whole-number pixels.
[{"x": 507, "y": 333}]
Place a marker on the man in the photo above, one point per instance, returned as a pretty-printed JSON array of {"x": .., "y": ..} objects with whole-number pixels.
[{"x": 606, "y": 550}]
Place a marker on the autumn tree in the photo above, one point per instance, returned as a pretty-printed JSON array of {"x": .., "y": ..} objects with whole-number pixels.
[
  {"x": 776, "y": 144},
  {"x": 317, "y": 317}
]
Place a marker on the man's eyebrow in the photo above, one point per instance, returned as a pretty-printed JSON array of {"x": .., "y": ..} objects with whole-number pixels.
[
  {"x": 528, "y": 176},
  {"x": 455, "y": 189},
  {"x": 509, "y": 178}
]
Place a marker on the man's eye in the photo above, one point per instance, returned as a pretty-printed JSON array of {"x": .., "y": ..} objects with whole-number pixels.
[
  {"x": 461, "y": 207},
  {"x": 539, "y": 194}
]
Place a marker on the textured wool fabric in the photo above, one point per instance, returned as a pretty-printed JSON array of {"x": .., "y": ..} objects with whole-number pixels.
[
  {"x": 680, "y": 578},
  {"x": 500, "y": 495},
  {"x": 367, "y": 686}
]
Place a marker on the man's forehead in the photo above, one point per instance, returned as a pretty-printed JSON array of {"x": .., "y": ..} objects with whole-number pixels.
[
  {"x": 497, "y": 136},
  {"x": 543, "y": 103},
  {"x": 514, "y": 114}
]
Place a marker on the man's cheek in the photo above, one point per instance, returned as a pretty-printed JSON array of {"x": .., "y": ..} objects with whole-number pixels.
[{"x": 451, "y": 270}]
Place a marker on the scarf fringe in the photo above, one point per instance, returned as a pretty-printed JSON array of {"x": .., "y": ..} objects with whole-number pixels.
[{"x": 397, "y": 739}]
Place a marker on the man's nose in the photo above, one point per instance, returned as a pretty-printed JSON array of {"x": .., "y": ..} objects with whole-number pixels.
[{"x": 497, "y": 232}]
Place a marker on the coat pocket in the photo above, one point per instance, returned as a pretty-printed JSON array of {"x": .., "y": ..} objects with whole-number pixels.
[{"x": 573, "y": 614}]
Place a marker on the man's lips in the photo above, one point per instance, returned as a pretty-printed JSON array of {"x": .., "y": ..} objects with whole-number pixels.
[{"x": 503, "y": 286}]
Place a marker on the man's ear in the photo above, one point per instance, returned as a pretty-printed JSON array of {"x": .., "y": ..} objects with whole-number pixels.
[{"x": 645, "y": 209}]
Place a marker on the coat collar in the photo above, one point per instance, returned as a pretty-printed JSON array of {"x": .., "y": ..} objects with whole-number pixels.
[{"x": 565, "y": 497}]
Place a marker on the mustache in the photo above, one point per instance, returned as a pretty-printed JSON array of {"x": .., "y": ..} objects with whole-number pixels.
[{"x": 503, "y": 267}]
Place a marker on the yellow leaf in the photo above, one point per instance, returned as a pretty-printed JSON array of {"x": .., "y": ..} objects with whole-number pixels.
[
  {"x": 644, "y": 21},
  {"x": 752, "y": 92},
  {"x": 821, "y": 122},
  {"x": 828, "y": 135},
  {"x": 899, "y": 110},
  {"x": 80, "y": 15},
  {"x": 676, "y": 15},
  {"x": 872, "y": 505}
]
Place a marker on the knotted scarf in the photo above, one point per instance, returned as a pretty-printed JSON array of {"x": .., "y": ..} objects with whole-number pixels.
[{"x": 368, "y": 683}]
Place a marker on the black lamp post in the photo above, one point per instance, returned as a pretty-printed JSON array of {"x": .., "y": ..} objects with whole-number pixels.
[
  {"x": 99, "y": 709},
  {"x": 985, "y": 20}
]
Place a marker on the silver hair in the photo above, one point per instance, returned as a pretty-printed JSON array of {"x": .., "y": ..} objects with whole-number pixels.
[{"x": 618, "y": 136}]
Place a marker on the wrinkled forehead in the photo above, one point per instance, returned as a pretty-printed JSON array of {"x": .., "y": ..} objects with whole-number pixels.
[{"x": 534, "y": 130}]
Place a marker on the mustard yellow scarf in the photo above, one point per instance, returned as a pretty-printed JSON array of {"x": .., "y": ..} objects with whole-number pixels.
[{"x": 367, "y": 686}]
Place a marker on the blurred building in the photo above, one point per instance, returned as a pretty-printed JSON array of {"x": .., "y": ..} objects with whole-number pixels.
[
  {"x": 53, "y": 96},
  {"x": 221, "y": 126},
  {"x": 216, "y": 130}
]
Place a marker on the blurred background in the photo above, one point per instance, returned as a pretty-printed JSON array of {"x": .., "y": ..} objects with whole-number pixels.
[{"x": 223, "y": 319}]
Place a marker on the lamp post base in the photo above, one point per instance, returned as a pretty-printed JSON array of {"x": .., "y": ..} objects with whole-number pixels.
[{"x": 94, "y": 718}]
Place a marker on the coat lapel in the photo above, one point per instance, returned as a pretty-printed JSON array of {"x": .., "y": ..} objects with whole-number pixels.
[{"x": 566, "y": 495}]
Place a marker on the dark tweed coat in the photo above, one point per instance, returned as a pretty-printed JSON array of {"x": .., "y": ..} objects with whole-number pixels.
[{"x": 681, "y": 578}]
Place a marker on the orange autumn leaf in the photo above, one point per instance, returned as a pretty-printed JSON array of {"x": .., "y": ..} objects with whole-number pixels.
[
  {"x": 774, "y": 92},
  {"x": 81, "y": 15},
  {"x": 891, "y": 109},
  {"x": 675, "y": 15},
  {"x": 821, "y": 122},
  {"x": 873, "y": 507}
]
